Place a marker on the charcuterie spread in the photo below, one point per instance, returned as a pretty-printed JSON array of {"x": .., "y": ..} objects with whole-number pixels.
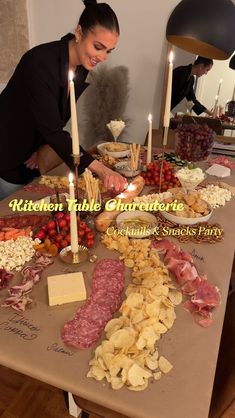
[{"x": 122, "y": 320}]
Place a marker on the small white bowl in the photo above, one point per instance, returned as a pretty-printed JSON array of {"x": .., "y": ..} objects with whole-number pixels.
[
  {"x": 124, "y": 169},
  {"x": 137, "y": 232},
  {"x": 185, "y": 221},
  {"x": 116, "y": 154}
]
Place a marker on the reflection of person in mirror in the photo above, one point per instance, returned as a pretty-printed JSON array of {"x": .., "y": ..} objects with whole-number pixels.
[
  {"x": 35, "y": 105},
  {"x": 183, "y": 83}
]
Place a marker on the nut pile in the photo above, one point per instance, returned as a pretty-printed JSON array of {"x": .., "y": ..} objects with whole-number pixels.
[
  {"x": 214, "y": 195},
  {"x": 14, "y": 254}
]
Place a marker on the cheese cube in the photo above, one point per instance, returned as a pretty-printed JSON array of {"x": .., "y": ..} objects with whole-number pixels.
[{"x": 65, "y": 288}]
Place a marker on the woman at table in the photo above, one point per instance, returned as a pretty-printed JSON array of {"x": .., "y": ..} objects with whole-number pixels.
[
  {"x": 35, "y": 105},
  {"x": 183, "y": 83}
]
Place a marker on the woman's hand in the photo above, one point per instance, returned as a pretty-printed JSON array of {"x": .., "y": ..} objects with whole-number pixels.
[
  {"x": 110, "y": 178},
  {"x": 32, "y": 161},
  {"x": 209, "y": 112}
]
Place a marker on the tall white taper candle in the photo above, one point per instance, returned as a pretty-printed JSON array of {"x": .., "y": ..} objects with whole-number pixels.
[
  {"x": 149, "y": 149},
  {"x": 166, "y": 118},
  {"x": 220, "y": 83},
  {"x": 74, "y": 122},
  {"x": 233, "y": 96}
]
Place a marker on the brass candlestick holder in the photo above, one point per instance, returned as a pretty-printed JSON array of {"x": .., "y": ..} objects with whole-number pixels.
[{"x": 67, "y": 256}]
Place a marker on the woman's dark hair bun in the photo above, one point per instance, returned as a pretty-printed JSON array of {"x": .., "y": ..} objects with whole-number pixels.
[
  {"x": 89, "y": 2},
  {"x": 98, "y": 14}
]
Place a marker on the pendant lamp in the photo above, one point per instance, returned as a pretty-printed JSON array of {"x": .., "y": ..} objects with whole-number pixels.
[
  {"x": 203, "y": 27},
  {"x": 232, "y": 62}
]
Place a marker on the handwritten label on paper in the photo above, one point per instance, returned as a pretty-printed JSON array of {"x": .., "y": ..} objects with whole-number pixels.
[
  {"x": 59, "y": 349},
  {"x": 21, "y": 326},
  {"x": 197, "y": 256}
]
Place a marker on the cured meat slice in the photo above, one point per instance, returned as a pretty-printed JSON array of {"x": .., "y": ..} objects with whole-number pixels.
[
  {"x": 190, "y": 287},
  {"x": 5, "y": 277},
  {"x": 110, "y": 283},
  {"x": 90, "y": 319},
  {"x": 204, "y": 295},
  {"x": 183, "y": 270},
  {"x": 107, "y": 298},
  {"x": 207, "y": 295},
  {"x": 80, "y": 333},
  {"x": 109, "y": 264},
  {"x": 163, "y": 246},
  {"x": 30, "y": 276},
  {"x": 95, "y": 313},
  {"x": 21, "y": 221}
]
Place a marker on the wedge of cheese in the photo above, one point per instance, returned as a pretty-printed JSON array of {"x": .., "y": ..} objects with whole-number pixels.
[
  {"x": 218, "y": 171},
  {"x": 65, "y": 288}
]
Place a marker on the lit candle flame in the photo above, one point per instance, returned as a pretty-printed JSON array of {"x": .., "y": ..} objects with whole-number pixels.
[
  {"x": 70, "y": 177},
  {"x": 71, "y": 75},
  {"x": 216, "y": 97},
  {"x": 130, "y": 187},
  {"x": 171, "y": 57},
  {"x": 150, "y": 117}
]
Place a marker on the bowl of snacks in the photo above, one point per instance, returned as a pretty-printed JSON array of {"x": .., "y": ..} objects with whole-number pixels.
[
  {"x": 114, "y": 149},
  {"x": 190, "y": 178},
  {"x": 124, "y": 168},
  {"x": 136, "y": 224},
  {"x": 194, "y": 209},
  {"x": 194, "y": 142}
]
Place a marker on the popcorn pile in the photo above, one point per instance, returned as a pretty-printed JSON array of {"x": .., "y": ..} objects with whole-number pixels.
[
  {"x": 14, "y": 254},
  {"x": 116, "y": 127},
  {"x": 215, "y": 195}
]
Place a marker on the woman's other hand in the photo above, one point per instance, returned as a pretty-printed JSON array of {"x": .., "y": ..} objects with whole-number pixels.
[{"x": 32, "y": 161}]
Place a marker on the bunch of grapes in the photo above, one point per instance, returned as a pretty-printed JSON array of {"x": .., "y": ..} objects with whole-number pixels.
[{"x": 194, "y": 142}]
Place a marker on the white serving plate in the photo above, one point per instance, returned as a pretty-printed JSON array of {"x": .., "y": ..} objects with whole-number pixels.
[
  {"x": 123, "y": 168},
  {"x": 185, "y": 221},
  {"x": 115, "y": 154},
  {"x": 136, "y": 214}
]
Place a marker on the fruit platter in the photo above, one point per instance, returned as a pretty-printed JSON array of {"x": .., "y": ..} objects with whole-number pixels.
[
  {"x": 151, "y": 175},
  {"x": 55, "y": 235}
]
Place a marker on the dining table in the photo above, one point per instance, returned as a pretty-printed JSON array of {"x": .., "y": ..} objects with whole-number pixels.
[{"x": 30, "y": 341}]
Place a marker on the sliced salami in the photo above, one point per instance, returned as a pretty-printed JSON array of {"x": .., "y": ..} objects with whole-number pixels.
[
  {"x": 90, "y": 319},
  {"x": 95, "y": 313},
  {"x": 21, "y": 221},
  {"x": 107, "y": 298}
]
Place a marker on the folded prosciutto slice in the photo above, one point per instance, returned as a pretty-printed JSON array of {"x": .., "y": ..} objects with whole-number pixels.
[
  {"x": 204, "y": 295},
  {"x": 31, "y": 275}
]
